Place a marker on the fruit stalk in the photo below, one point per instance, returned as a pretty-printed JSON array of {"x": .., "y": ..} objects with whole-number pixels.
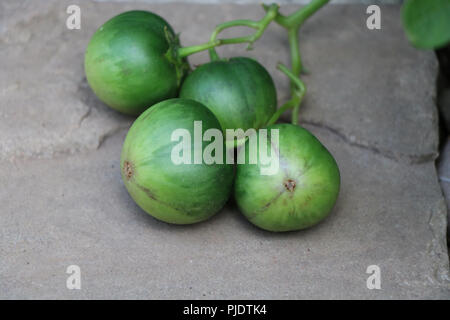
[
  {"x": 297, "y": 18},
  {"x": 187, "y": 51},
  {"x": 260, "y": 26},
  {"x": 292, "y": 24},
  {"x": 299, "y": 91}
]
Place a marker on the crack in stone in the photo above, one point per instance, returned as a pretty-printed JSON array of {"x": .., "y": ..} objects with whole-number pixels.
[
  {"x": 398, "y": 157},
  {"x": 102, "y": 138},
  {"x": 84, "y": 116},
  {"x": 71, "y": 141},
  {"x": 87, "y": 98},
  {"x": 437, "y": 249}
]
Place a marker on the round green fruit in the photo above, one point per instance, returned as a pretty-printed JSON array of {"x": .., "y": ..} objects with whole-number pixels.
[
  {"x": 175, "y": 193},
  {"x": 239, "y": 91},
  {"x": 302, "y": 191},
  {"x": 127, "y": 65}
]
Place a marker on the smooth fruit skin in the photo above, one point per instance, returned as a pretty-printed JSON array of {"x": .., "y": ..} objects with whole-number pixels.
[
  {"x": 125, "y": 63},
  {"x": 300, "y": 195},
  {"x": 239, "y": 91},
  {"x": 180, "y": 194}
]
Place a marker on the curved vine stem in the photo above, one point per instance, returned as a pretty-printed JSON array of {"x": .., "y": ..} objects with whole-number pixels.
[
  {"x": 187, "y": 51},
  {"x": 297, "y": 18},
  {"x": 292, "y": 24},
  {"x": 260, "y": 26},
  {"x": 296, "y": 61},
  {"x": 298, "y": 92}
]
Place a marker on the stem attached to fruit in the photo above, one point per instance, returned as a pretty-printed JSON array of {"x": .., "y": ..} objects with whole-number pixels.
[
  {"x": 260, "y": 26},
  {"x": 288, "y": 105},
  {"x": 297, "y": 18},
  {"x": 296, "y": 62},
  {"x": 292, "y": 24},
  {"x": 187, "y": 51},
  {"x": 298, "y": 92}
]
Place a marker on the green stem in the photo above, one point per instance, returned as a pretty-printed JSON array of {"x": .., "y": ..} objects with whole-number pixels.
[
  {"x": 297, "y": 18},
  {"x": 298, "y": 91},
  {"x": 187, "y": 51},
  {"x": 295, "y": 112},
  {"x": 296, "y": 62},
  {"x": 296, "y": 66},
  {"x": 292, "y": 23},
  {"x": 288, "y": 105},
  {"x": 260, "y": 26}
]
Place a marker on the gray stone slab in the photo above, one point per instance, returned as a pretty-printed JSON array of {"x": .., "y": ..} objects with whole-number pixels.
[
  {"x": 75, "y": 210},
  {"x": 63, "y": 201},
  {"x": 444, "y": 104},
  {"x": 45, "y": 108},
  {"x": 444, "y": 176}
]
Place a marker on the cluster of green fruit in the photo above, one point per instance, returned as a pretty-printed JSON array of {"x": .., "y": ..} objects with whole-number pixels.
[{"x": 135, "y": 64}]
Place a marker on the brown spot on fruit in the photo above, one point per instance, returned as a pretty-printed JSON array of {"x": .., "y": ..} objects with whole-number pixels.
[
  {"x": 128, "y": 169},
  {"x": 289, "y": 184}
]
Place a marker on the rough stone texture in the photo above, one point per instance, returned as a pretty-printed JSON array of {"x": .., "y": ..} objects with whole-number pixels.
[
  {"x": 46, "y": 106},
  {"x": 444, "y": 104},
  {"x": 444, "y": 176},
  {"x": 369, "y": 101}
]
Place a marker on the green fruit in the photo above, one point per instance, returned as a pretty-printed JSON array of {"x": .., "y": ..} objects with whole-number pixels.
[
  {"x": 300, "y": 194},
  {"x": 183, "y": 193},
  {"x": 239, "y": 91},
  {"x": 126, "y": 63}
]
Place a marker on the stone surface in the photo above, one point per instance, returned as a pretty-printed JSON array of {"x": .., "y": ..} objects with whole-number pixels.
[
  {"x": 76, "y": 210},
  {"x": 46, "y": 106},
  {"x": 63, "y": 201},
  {"x": 444, "y": 176},
  {"x": 444, "y": 105}
]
